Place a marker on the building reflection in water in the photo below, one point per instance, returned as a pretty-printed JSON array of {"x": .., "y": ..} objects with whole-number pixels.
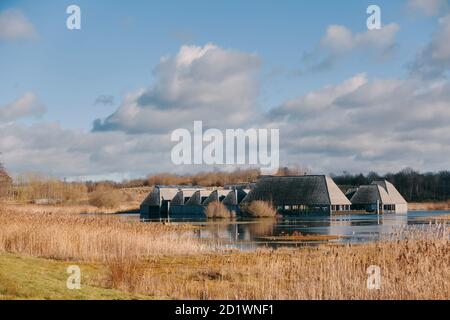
[{"x": 350, "y": 228}]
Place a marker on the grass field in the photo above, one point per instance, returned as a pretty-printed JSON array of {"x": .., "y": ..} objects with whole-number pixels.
[
  {"x": 132, "y": 260},
  {"x": 23, "y": 277}
]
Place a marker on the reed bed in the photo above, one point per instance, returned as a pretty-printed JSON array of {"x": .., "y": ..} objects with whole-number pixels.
[
  {"x": 163, "y": 261},
  {"x": 217, "y": 210},
  {"x": 90, "y": 238},
  {"x": 260, "y": 209},
  {"x": 414, "y": 264},
  {"x": 75, "y": 209},
  {"x": 429, "y": 206},
  {"x": 409, "y": 270}
]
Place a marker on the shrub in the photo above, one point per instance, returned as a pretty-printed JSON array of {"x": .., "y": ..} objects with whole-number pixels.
[
  {"x": 105, "y": 199},
  {"x": 260, "y": 209},
  {"x": 5, "y": 182},
  {"x": 36, "y": 188},
  {"x": 217, "y": 210}
]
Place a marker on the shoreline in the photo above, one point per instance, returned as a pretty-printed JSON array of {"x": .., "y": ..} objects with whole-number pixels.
[
  {"x": 429, "y": 206},
  {"x": 154, "y": 261}
]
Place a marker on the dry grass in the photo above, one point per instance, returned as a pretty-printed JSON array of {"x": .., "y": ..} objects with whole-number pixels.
[
  {"x": 69, "y": 209},
  {"x": 416, "y": 268},
  {"x": 409, "y": 270},
  {"x": 89, "y": 238},
  {"x": 163, "y": 261},
  {"x": 217, "y": 210},
  {"x": 445, "y": 217},
  {"x": 106, "y": 199},
  {"x": 260, "y": 209},
  {"x": 207, "y": 179},
  {"x": 429, "y": 206},
  {"x": 101, "y": 201},
  {"x": 34, "y": 187}
]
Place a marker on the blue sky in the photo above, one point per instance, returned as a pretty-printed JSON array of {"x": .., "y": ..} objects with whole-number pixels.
[{"x": 121, "y": 43}]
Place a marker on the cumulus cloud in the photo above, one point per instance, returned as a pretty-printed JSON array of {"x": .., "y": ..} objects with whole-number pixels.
[
  {"x": 209, "y": 83},
  {"x": 25, "y": 106},
  {"x": 358, "y": 124},
  {"x": 434, "y": 59},
  {"x": 339, "y": 41},
  {"x": 428, "y": 7},
  {"x": 382, "y": 124},
  {"x": 48, "y": 148},
  {"x": 14, "y": 25},
  {"x": 314, "y": 102}
]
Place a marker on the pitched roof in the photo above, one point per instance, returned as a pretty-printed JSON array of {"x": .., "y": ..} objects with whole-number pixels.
[
  {"x": 367, "y": 194},
  {"x": 382, "y": 191},
  {"x": 158, "y": 194},
  {"x": 198, "y": 197},
  {"x": 193, "y": 196},
  {"x": 296, "y": 190},
  {"x": 235, "y": 197},
  {"x": 182, "y": 194},
  {"x": 396, "y": 197},
  {"x": 335, "y": 194},
  {"x": 217, "y": 195}
]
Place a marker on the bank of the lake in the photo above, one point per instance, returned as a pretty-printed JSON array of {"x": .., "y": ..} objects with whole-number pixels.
[{"x": 125, "y": 258}]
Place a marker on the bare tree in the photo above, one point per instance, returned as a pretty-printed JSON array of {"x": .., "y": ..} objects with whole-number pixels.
[{"x": 5, "y": 181}]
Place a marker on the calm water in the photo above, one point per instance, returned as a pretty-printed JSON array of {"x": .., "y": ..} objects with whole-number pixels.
[{"x": 246, "y": 234}]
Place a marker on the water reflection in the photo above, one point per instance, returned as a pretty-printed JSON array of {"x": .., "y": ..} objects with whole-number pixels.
[
  {"x": 351, "y": 228},
  {"x": 236, "y": 231}
]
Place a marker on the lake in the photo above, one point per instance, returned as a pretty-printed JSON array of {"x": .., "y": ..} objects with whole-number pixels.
[{"x": 248, "y": 234}]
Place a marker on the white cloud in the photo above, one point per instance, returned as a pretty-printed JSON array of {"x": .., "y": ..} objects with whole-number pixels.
[
  {"x": 48, "y": 148},
  {"x": 15, "y": 26},
  {"x": 383, "y": 125},
  {"x": 339, "y": 39},
  {"x": 209, "y": 83},
  {"x": 359, "y": 124},
  {"x": 318, "y": 101},
  {"x": 428, "y": 7},
  {"x": 26, "y": 106},
  {"x": 434, "y": 59}
]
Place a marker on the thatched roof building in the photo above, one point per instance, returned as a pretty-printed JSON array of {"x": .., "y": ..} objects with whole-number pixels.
[
  {"x": 291, "y": 195},
  {"x": 380, "y": 196},
  {"x": 186, "y": 202},
  {"x": 159, "y": 194},
  {"x": 217, "y": 195},
  {"x": 300, "y": 193},
  {"x": 198, "y": 197},
  {"x": 183, "y": 196}
]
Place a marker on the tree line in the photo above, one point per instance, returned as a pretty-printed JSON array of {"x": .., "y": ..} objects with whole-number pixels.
[
  {"x": 413, "y": 185},
  {"x": 5, "y": 181}
]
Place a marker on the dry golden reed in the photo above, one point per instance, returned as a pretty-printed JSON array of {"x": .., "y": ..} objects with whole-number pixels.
[
  {"x": 260, "y": 209},
  {"x": 89, "y": 238},
  {"x": 217, "y": 210},
  {"x": 163, "y": 261},
  {"x": 409, "y": 270},
  {"x": 429, "y": 206}
]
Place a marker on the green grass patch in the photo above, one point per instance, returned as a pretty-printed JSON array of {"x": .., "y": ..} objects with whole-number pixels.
[{"x": 23, "y": 277}]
